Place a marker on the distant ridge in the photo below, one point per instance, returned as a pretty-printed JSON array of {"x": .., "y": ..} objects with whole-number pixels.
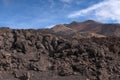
[{"x": 89, "y": 26}]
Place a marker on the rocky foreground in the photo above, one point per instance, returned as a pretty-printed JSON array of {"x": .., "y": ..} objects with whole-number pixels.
[{"x": 36, "y": 55}]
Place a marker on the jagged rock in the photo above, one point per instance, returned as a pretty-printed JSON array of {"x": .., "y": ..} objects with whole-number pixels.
[{"x": 37, "y": 52}]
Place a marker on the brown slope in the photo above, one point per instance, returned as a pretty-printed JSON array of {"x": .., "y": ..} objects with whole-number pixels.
[
  {"x": 110, "y": 30},
  {"x": 63, "y": 30},
  {"x": 94, "y": 27},
  {"x": 82, "y": 35},
  {"x": 86, "y": 26}
]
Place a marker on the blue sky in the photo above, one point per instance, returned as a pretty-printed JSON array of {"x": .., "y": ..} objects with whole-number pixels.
[{"x": 46, "y": 13}]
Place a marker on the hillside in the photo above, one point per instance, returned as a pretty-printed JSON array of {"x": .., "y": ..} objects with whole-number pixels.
[{"x": 93, "y": 27}]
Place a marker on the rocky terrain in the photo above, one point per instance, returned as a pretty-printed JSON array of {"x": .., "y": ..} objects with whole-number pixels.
[{"x": 45, "y": 55}]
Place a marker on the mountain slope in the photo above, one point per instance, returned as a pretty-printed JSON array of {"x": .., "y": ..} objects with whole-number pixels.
[
  {"x": 63, "y": 29},
  {"x": 93, "y": 27},
  {"x": 88, "y": 25}
]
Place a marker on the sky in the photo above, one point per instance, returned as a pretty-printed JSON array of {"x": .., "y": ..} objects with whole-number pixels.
[{"x": 25, "y": 14}]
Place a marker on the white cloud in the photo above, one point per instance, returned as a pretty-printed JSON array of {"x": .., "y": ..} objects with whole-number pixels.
[
  {"x": 105, "y": 10},
  {"x": 50, "y": 26},
  {"x": 66, "y": 1}
]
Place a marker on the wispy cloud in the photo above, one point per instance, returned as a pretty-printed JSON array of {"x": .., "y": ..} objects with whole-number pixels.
[
  {"x": 6, "y": 2},
  {"x": 50, "y": 26},
  {"x": 66, "y": 1},
  {"x": 52, "y": 3},
  {"x": 105, "y": 10}
]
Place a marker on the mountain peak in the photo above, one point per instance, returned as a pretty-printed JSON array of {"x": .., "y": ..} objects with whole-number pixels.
[
  {"x": 87, "y": 21},
  {"x": 90, "y": 21},
  {"x": 74, "y": 22}
]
